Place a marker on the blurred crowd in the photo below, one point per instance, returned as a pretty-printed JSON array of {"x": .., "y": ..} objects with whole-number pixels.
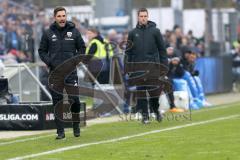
[
  {"x": 17, "y": 34},
  {"x": 20, "y": 31},
  {"x": 17, "y": 31}
]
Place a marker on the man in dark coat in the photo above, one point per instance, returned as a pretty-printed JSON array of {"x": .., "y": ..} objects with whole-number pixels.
[
  {"x": 147, "y": 46},
  {"x": 61, "y": 42}
]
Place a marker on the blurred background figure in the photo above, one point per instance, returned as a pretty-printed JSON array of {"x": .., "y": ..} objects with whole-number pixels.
[
  {"x": 236, "y": 69},
  {"x": 175, "y": 71},
  {"x": 100, "y": 64}
]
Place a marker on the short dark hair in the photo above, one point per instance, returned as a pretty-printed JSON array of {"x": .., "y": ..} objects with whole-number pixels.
[
  {"x": 94, "y": 30},
  {"x": 142, "y": 10},
  {"x": 57, "y": 9}
]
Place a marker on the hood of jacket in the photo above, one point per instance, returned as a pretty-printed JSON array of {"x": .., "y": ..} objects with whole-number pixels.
[
  {"x": 149, "y": 25},
  {"x": 68, "y": 25}
]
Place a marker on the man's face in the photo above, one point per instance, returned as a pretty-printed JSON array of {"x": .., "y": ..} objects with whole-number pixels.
[
  {"x": 61, "y": 18},
  {"x": 170, "y": 51},
  {"x": 142, "y": 18},
  {"x": 175, "y": 61},
  {"x": 192, "y": 58}
]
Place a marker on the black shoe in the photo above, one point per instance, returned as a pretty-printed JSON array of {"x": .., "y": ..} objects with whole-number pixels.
[
  {"x": 76, "y": 130},
  {"x": 145, "y": 120},
  {"x": 60, "y": 136},
  {"x": 159, "y": 117}
]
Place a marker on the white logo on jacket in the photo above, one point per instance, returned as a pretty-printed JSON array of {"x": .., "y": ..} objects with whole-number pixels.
[
  {"x": 54, "y": 37},
  {"x": 69, "y": 34}
]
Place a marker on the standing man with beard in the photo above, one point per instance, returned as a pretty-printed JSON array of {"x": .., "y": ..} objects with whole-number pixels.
[
  {"x": 61, "y": 42},
  {"x": 147, "y": 46}
]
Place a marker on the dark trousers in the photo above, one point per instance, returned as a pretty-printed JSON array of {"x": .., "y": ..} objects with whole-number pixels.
[
  {"x": 170, "y": 97},
  {"x": 144, "y": 102},
  {"x": 170, "y": 94},
  {"x": 57, "y": 98}
]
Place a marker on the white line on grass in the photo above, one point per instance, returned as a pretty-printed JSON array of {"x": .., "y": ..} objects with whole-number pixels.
[
  {"x": 29, "y": 139},
  {"x": 40, "y": 137},
  {"x": 121, "y": 138},
  {"x": 24, "y": 140}
]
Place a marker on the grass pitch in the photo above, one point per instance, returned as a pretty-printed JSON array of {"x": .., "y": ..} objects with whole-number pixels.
[{"x": 209, "y": 134}]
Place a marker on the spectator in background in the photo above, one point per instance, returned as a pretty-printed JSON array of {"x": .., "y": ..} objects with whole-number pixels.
[
  {"x": 236, "y": 43},
  {"x": 236, "y": 68},
  {"x": 12, "y": 38},
  {"x": 100, "y": 64},
  {"x": 2, "y": 44},
  {"x": 192, "y": 40},
  {"x": 192, "y": 77},
  {"x": 188, "y": 61},
  {"x": 184, "y": 46},
  {"x": 111, "y": 41},
  {"x": 172, "y": 41},
  {"x": 175, "y": 71},
  {"x": 200, "y": 48},
  {"x": 178, "y": 33}
]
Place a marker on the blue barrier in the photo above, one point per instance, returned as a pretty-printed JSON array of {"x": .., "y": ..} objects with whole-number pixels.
[{"x": 215, "y": 73}]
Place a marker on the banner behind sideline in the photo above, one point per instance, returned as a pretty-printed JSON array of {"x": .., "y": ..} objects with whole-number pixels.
[{"x": 36, "y": 116}]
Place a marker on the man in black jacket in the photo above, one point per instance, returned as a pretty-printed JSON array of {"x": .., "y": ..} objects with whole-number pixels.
[
  {"x": 147, "y": 46},
  {"x": 61, "y": 42}
]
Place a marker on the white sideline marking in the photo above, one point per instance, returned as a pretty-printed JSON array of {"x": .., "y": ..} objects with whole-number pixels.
[
  {"x": 39, "y": 137},
  {"x": 29, "y": 139},
  {"x": 121, "y": 138},
  {"x": 24, "y": 140}
]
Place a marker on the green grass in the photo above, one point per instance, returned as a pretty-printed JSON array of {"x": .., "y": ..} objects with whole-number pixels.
[
  {"x": 213, "y": 141},
  {"x": 88, "y": 101}
]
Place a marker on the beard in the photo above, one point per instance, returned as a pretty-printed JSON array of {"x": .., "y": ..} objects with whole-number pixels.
[{"x": 61, "y": 23}]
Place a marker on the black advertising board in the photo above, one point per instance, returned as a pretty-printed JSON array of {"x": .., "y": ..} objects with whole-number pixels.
[{"x": 32, "y": 116}]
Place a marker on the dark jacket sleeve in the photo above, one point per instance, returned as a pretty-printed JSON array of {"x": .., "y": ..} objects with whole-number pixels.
[
  {"x": 43, "y": 49},
  {"x": 161, "y": 48},
  {"x": 129, "y": 47},
  {"x": 81, "y": 47}
]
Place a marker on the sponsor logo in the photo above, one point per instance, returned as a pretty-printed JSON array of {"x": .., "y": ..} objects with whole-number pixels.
[
  {"x": 54, "y": 36},
  {"x": 49, "y": 116},
  {"x": 67, "y": 115},
  {"x": 18, "y": 117},
  {"x": 69, "y": 34}
]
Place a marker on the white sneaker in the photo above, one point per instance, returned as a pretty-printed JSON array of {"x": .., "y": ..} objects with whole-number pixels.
[
  {"x": 138, "y": 116},
  {"x": 152, "y": 116}
]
